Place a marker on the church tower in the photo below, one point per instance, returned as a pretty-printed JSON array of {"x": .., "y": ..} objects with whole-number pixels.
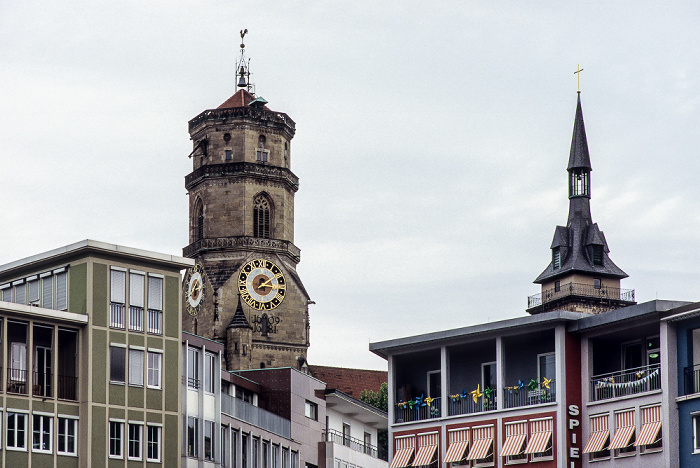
[
  {"x": 581, "y": 277},
  {"x": 245, "y": 292}
]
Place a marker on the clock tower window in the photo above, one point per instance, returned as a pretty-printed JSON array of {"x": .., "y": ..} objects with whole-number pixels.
[
  {"x": 261, "y": 154},
  {"x": 261, "y": 216},
  {"x": 198, "y": 220}
]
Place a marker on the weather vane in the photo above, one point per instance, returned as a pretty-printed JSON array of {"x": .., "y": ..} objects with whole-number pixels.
[
  {"x": 243, "y": 66},
  {"x": 578, "y": 77}
]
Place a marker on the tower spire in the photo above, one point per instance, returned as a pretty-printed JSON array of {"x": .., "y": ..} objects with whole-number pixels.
[{"x": 243, "y": 67}]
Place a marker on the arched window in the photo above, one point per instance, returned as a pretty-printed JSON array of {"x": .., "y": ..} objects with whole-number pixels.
[
  {"x": 198, "y": 220},
  {"x": 261, "y": 216}
]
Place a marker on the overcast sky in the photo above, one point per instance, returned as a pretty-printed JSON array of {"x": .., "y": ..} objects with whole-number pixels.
[{"x": 432, "y": 142}]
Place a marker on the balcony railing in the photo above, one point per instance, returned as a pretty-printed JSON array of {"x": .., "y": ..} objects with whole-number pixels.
[
  {"x": 17, "y": 380},
  {"x": 155, "y": 321},
  {"x": 67, "y": 387},
  {"x": 516, "y": 397},
  {"x": 42, "y": 384},
  {"x": 135, "y": 318},
  {"x": 466, "y": 404},
  {"x": 691, "y": 380},
  {"x": 116, "y": 315},
  {"x": 580, "y": 290},
  {"x": 625, "y": 382},
  {"x": 259, "y": 417},
  {"x": 332, "y": 435},
  {"x": 405, "y": 412}
]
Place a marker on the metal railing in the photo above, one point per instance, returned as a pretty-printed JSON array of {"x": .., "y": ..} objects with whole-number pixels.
[
  {"x": 17, "y": 380},
  {"x": 514, "y": 398},
  {"x": 155, "y": 321},
  {"x": 466, "y": 405},
  {"x": 42, "y": 384},
  {"x": 135, "y": 318},
  {"x": 259, "y": 417},
  {"x": 625, "y": 382},
  {"x": 581, "y": 290},
  {"x": 691, "y": 380},
  {"x": 337, "y": 437},
  {"x": 67, "y": 387},
  {"x": 116, "y": 315},
  {"x": 404, "y": 412}
]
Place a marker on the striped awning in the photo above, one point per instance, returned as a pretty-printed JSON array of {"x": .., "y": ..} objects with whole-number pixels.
[
  {"x": 599, "y": 434},
  {"x": 651, "y": 425},
  {"x": 625, "y": 430},
  {"x": 402, "y": 458},
  {"x": 480, "y": 449},
  {"x": 513, "y": 445},
  {"x": 425, "y": 455},
  {"x": 456, "y": 450},
  {"x": 538, "y": 442}
]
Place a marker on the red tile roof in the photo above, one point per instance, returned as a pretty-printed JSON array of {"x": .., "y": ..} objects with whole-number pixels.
[
  {"x": 349, "y": 381},
  {"x": 241, "y": 99}
]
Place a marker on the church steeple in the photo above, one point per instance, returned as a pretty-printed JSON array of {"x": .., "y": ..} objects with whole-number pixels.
[{"x": 581, "y": 276}]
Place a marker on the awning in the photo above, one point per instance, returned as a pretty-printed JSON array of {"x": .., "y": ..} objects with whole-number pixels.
[
  {"x": 402, "y": 458},
  {"x": 480, "y": 449},
  {"x": 425, "y": 455},
  {"x": 538, "y": 442},
  {"x": 597, "y": 441},
  {"x": 513, "y": 445},
  {"x": 622, "y": 437},
  {"x": 648, "y": 433},
  {"x": 455, "y": 452}
]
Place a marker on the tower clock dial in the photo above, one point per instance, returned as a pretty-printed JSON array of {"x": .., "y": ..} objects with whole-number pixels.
[
  {"x": 262, "y": 284},
  {"x": 194, "y": 290}
]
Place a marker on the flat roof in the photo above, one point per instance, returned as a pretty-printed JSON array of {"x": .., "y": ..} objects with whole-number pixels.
[
  {"x": 385, "y": 348},
  {"x": 635, "y": 312},
  {"x": 89, "y": 246}
]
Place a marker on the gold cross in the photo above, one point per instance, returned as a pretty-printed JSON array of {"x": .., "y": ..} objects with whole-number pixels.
[{"x": 578, "y": 77}]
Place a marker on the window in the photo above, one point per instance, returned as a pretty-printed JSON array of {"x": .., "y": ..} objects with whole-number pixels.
[
  {"x": 229, "y": 155},
  {"x": 135, "y": 434},
  {"x": 234, "y": 447},
  {"x": 427, "y": 449},
  {"x": 557, "y": 286},
  {"x": 458, "y": 440},
  {"x": 20, "y": 292},
  {"x": 546, "y": 369},
  {"x": 540, "y": 443},
  {"x": 622, "y": 441},
  {"x": 153, "y": 443},
  {"x": 295, "y": 459},
  {"x": 47, "y": 290},
  {"x": 261, "y": 154},
  {"x": 117, "y": 297},
  {"x": 43, "y": 373},
  {"x": 33, "y": 290},
  {"x": 192, "y": 436},
  {"x": 600, "y": 434},
  {"x": 556, "y": 258},
  {"x": 62, "y": 291},
  {"x": 285, "y": 457},
  {"x": 67, "y": 432},
  {"x": 42, "y": 433},
  {"x": 6, "y": 292},
  {"x": 311, "y": 410},
  {"x": 193, "y": 368},
  {"x": 198, "y": 220},
  {"x": 256, "y": 452},
  {"x": 514, "y": 443},
  {"x": 136, "y": 367},
  {"x": 16, "y": 436},
  {"x": 155, "y": 360},
  {"x": 597, "y": 283},
  {"x": 488, "y": 375},
  {"x": 244, "y": 450},
  {"x": 650, "y": 434},
  {"x": 209, "y": 372},
  {"x": 265, "y": 454},
  {"x": 482, "y": 446},
  {"x": 224, "y": 445},
  {"x": 155, "y": 305},
  {"x": 117, "y": 364},
  {"x": 116, "y": 438},
  {"x": 39, "y": 290},
  {"x": 209, "y": 427},
  {"x": 696, "y": 433},
  {"x": 275, "y": 455},
  {"x": 578, "y": 183},
  {"x": 596, "y": 253},
  {"x": 346, "y": 435},
  {"x": 368, "y": 443},
  {"x": 653, "y": 350},
  {"x": 136, "y": 300},
  {"x": 261, "y": 216}
]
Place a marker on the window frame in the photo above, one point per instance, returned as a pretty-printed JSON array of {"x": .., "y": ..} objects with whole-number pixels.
[
  {"x": 311, "y": 410},
  {"x": 19, "y": 445},
  {"x": 154, "y": 377},
  {"x": 158, "y": 431},
  {"x": 45, "y": 429},
  {"x": 113, "y": 372},
  {"x": 136, "y": 378},
  {"x": 193, "y": 436},
  {"x": 193, "y": 381},
  {"x": 62, "y": 435},
  {"x": 135, "y": 442},
  {"x": 209, "y": 432},
  {"x": 210, "y": 376},
  {"x": 115, "y": 439}
]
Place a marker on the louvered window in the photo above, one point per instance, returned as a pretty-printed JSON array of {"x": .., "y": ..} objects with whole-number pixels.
[
  {"x": 261, "y": 217},
  {"x": 199, "y": 221},
  {"x": 117, "y": 297},
  {"x": 47, "y": 292},
  {"x": 62, "y": 291},
  {"x": 155, "y": 305},
  {"x": 33, "y": 291},
  {"x": 136, "y": 300},
  {"x": 21, "y": 293},
  {"x": 556, "y": 258}
]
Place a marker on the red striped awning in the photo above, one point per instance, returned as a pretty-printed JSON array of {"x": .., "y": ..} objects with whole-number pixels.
[
  {"x": 480, "y": 449},
  {"x": 625, "y": 430},
  {"x": 651, "y": 425},
  {"x": 538, "y": 442},
  {"x": 425, "y": 455},
  {"x": 513, "y": 445},
  {"x": 402, "y": 458},
  {"x": 456, "y": 450},
  {"x": 600, "y": 433}
]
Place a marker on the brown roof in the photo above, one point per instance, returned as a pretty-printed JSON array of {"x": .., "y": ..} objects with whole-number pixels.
[
  {"x": 241, "y": 99},
  {"x": 349, "y": 381}
]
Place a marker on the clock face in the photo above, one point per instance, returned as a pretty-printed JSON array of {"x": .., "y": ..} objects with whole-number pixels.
[
  {"x": 262, "y": 284},
  {"x": 195, "y": 290}
]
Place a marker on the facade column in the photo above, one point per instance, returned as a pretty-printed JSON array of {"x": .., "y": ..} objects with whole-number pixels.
[
  {"x": 669, "y": 384},
  {"x": 500, "y": 373},
  {"x": 444, "y": 382}
]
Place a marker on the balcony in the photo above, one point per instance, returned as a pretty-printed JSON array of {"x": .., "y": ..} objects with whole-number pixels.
[
  {"x": 417, "y": 410},
  {"x": 337, "y": 437},
  {"x": 581, "y": 291},
  {"x": 17, "y": 381},
  {"x": 517, "y": 397},
  {"x": 42, "y": 384},
  {"x": 67, "y": 387},
  {"x": 256, "y": 416},
  {"x": 625, "y": 382},
  {"x": 691, "y": 380},
  {"x": 464, "y": 404}
]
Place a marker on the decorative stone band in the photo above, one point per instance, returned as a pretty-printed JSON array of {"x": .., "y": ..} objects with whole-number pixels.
[
  {"x": 243, "y": 242},
  {"x": 272, "y": 117},
  {"x": 243, "y": 169}
]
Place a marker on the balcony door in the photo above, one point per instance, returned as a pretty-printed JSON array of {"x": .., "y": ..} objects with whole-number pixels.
[
  {"x": 42, "y": 371},
  {"x": 434, "y": 388}
]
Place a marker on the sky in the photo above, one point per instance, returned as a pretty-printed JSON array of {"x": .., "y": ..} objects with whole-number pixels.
[{"x": 431, "y": 146}]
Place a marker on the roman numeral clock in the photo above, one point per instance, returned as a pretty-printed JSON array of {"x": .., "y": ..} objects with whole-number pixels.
[{"x": 262, "y": 284}]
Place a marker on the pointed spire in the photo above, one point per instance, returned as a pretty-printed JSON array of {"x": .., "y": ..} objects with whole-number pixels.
[
  {"x": 239, "y": 320},
  {"x": 578, "y": 157}
]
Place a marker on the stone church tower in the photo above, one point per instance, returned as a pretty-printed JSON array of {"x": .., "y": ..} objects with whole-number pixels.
[
  {"x": 241, "y": 208},
  {"x": 581, "y": 276}
]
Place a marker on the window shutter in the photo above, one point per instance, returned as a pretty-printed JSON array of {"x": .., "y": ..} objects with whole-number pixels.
[
  {"x": 155, "y": 293},
  {"x": 118, "y": 286},
  {"x": 136, "y": 289},
  {"x": 21, "y": 294},
  {"x": 33, "y": 287},
  {"x": 47, "y": 292},
  {"x": 135, "y": 367},
  {"x": 62, "y": 291}
]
